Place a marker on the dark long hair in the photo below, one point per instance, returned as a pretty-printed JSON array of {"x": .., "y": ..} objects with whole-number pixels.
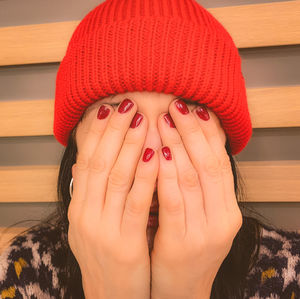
[{"x": 230, "y": 281}]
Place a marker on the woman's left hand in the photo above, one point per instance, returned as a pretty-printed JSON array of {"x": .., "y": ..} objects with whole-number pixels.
[{"x": 198, "y": 212}]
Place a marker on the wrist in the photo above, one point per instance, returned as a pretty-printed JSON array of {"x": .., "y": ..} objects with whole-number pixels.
[
  {"x": 182, "y": 292},
  {"x": 99, "y": 289},
  {"x": 200, "y": 295}
]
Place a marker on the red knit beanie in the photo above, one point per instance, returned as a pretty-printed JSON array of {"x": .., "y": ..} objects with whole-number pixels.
[{"x": 167, "y": 46}]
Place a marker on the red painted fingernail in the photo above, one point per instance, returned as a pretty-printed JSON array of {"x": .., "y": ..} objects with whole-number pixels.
[
  {"x": 136, "y": 120},
  {"x": 103, "y": 112},
  {"x": 169, "y": 120},
  {"x": 167, "y": 153},
  {"x": 182, "y": 107},
  {"x": 148, "y": 154},
  {"x": 202, "y": 113},
  {"x": 125, "y": 106}
]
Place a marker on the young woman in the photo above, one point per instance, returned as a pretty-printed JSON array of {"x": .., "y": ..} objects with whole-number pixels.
[{"x": 151, "y": 107}]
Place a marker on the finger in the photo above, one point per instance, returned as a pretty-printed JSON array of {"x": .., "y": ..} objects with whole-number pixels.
[
  {"x": 171, "y": 205},
  {"x": 85, "y": 152},
  {"x": 211, "y": 128},
  {"x": 123, "y": 172},
  {"x": 105, "y": 156},
  {"x": 137, "y": 206},
  {"x": 204, "y": 160},
  {"x": 189, "y": 181}
]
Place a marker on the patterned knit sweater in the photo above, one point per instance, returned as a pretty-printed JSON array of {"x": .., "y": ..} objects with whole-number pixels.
[{"x": 29, "y": 266}]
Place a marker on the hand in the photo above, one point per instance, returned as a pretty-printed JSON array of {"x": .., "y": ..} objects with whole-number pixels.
[
  {"x": 108, "y": 214},
  {"x": 198, "y": 211}
]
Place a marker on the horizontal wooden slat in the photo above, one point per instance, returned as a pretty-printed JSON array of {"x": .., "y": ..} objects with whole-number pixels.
[
  {"x": 261, "y": 25},
  {"x": 269, "y": 108},
  {"x": 7, "y": 233},
  {"x": 28, "y": 183},
  {"x": 266, "y": 181},
  {"x": 26, "y": 118},
  {"x": 272, "y": 181},
  {"x": 274, "y": 107},
  {"x": 39, "y": 43},
  {"x": 255, "y": 25}
]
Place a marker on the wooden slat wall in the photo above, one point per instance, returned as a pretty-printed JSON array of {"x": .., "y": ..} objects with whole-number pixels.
[
  {"x": 251, "y": 26},
  {"x": 269, "y": 108},
  {"x": 256, "y": 25},
  {"x": 36, "y": 183},
  {"x": 266, "y": 181}
]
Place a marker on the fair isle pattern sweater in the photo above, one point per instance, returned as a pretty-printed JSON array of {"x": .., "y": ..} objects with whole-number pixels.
[{"x": 29, "y": 266}]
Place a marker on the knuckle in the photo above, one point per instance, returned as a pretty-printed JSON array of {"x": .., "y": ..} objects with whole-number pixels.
[
  {"x": 173, "y": 206},
  {"x": 114, "y": 125},
  {"x": 226, "y": 165},
  {"x": 94, "y": 131},
  {"x": 212, "y": 167},
  {"x": 176, "y": 142},
  {"x": 117, "y": 180},
  {"x": 238, "y": 221},
  {"x": 134, "y": 206},
  {"x": 82, "y": 163},
  {"x": 131, "y": 139},
  {"x": 97, "y": 165},
  {"x": 190, "y": 178},
  {"x": 168, "y": 179},
  {"x": 142, "y": 176},
  {"x": 194, "y": 130}
]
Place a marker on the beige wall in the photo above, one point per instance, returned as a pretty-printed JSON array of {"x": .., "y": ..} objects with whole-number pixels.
[{"x": 262, "y": 67}]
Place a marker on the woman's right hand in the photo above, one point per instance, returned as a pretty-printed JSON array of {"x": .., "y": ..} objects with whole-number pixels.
[{"x": 109, "y": 209}]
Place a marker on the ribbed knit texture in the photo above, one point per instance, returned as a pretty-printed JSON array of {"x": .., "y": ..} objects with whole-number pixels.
[{"x": 169, "y": 46}]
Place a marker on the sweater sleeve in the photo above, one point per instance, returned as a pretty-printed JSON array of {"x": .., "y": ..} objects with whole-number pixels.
[
  {"x": 27, "y": 270},
  {"x": 277, "y": 271}
]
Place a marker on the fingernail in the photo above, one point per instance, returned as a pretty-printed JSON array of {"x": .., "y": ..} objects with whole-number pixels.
[
  {"x": 202, "y": 113},
  {"x": 103, "y": 112},
  {"x": 148, "y": 154},
  {"x": 167, "y": 153},
  {"x": 169, "y": 120},
  {"x": 125, "y": 106},
  {"x": 136, "y": 120},
  {"x": 182, "y": 107}
]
